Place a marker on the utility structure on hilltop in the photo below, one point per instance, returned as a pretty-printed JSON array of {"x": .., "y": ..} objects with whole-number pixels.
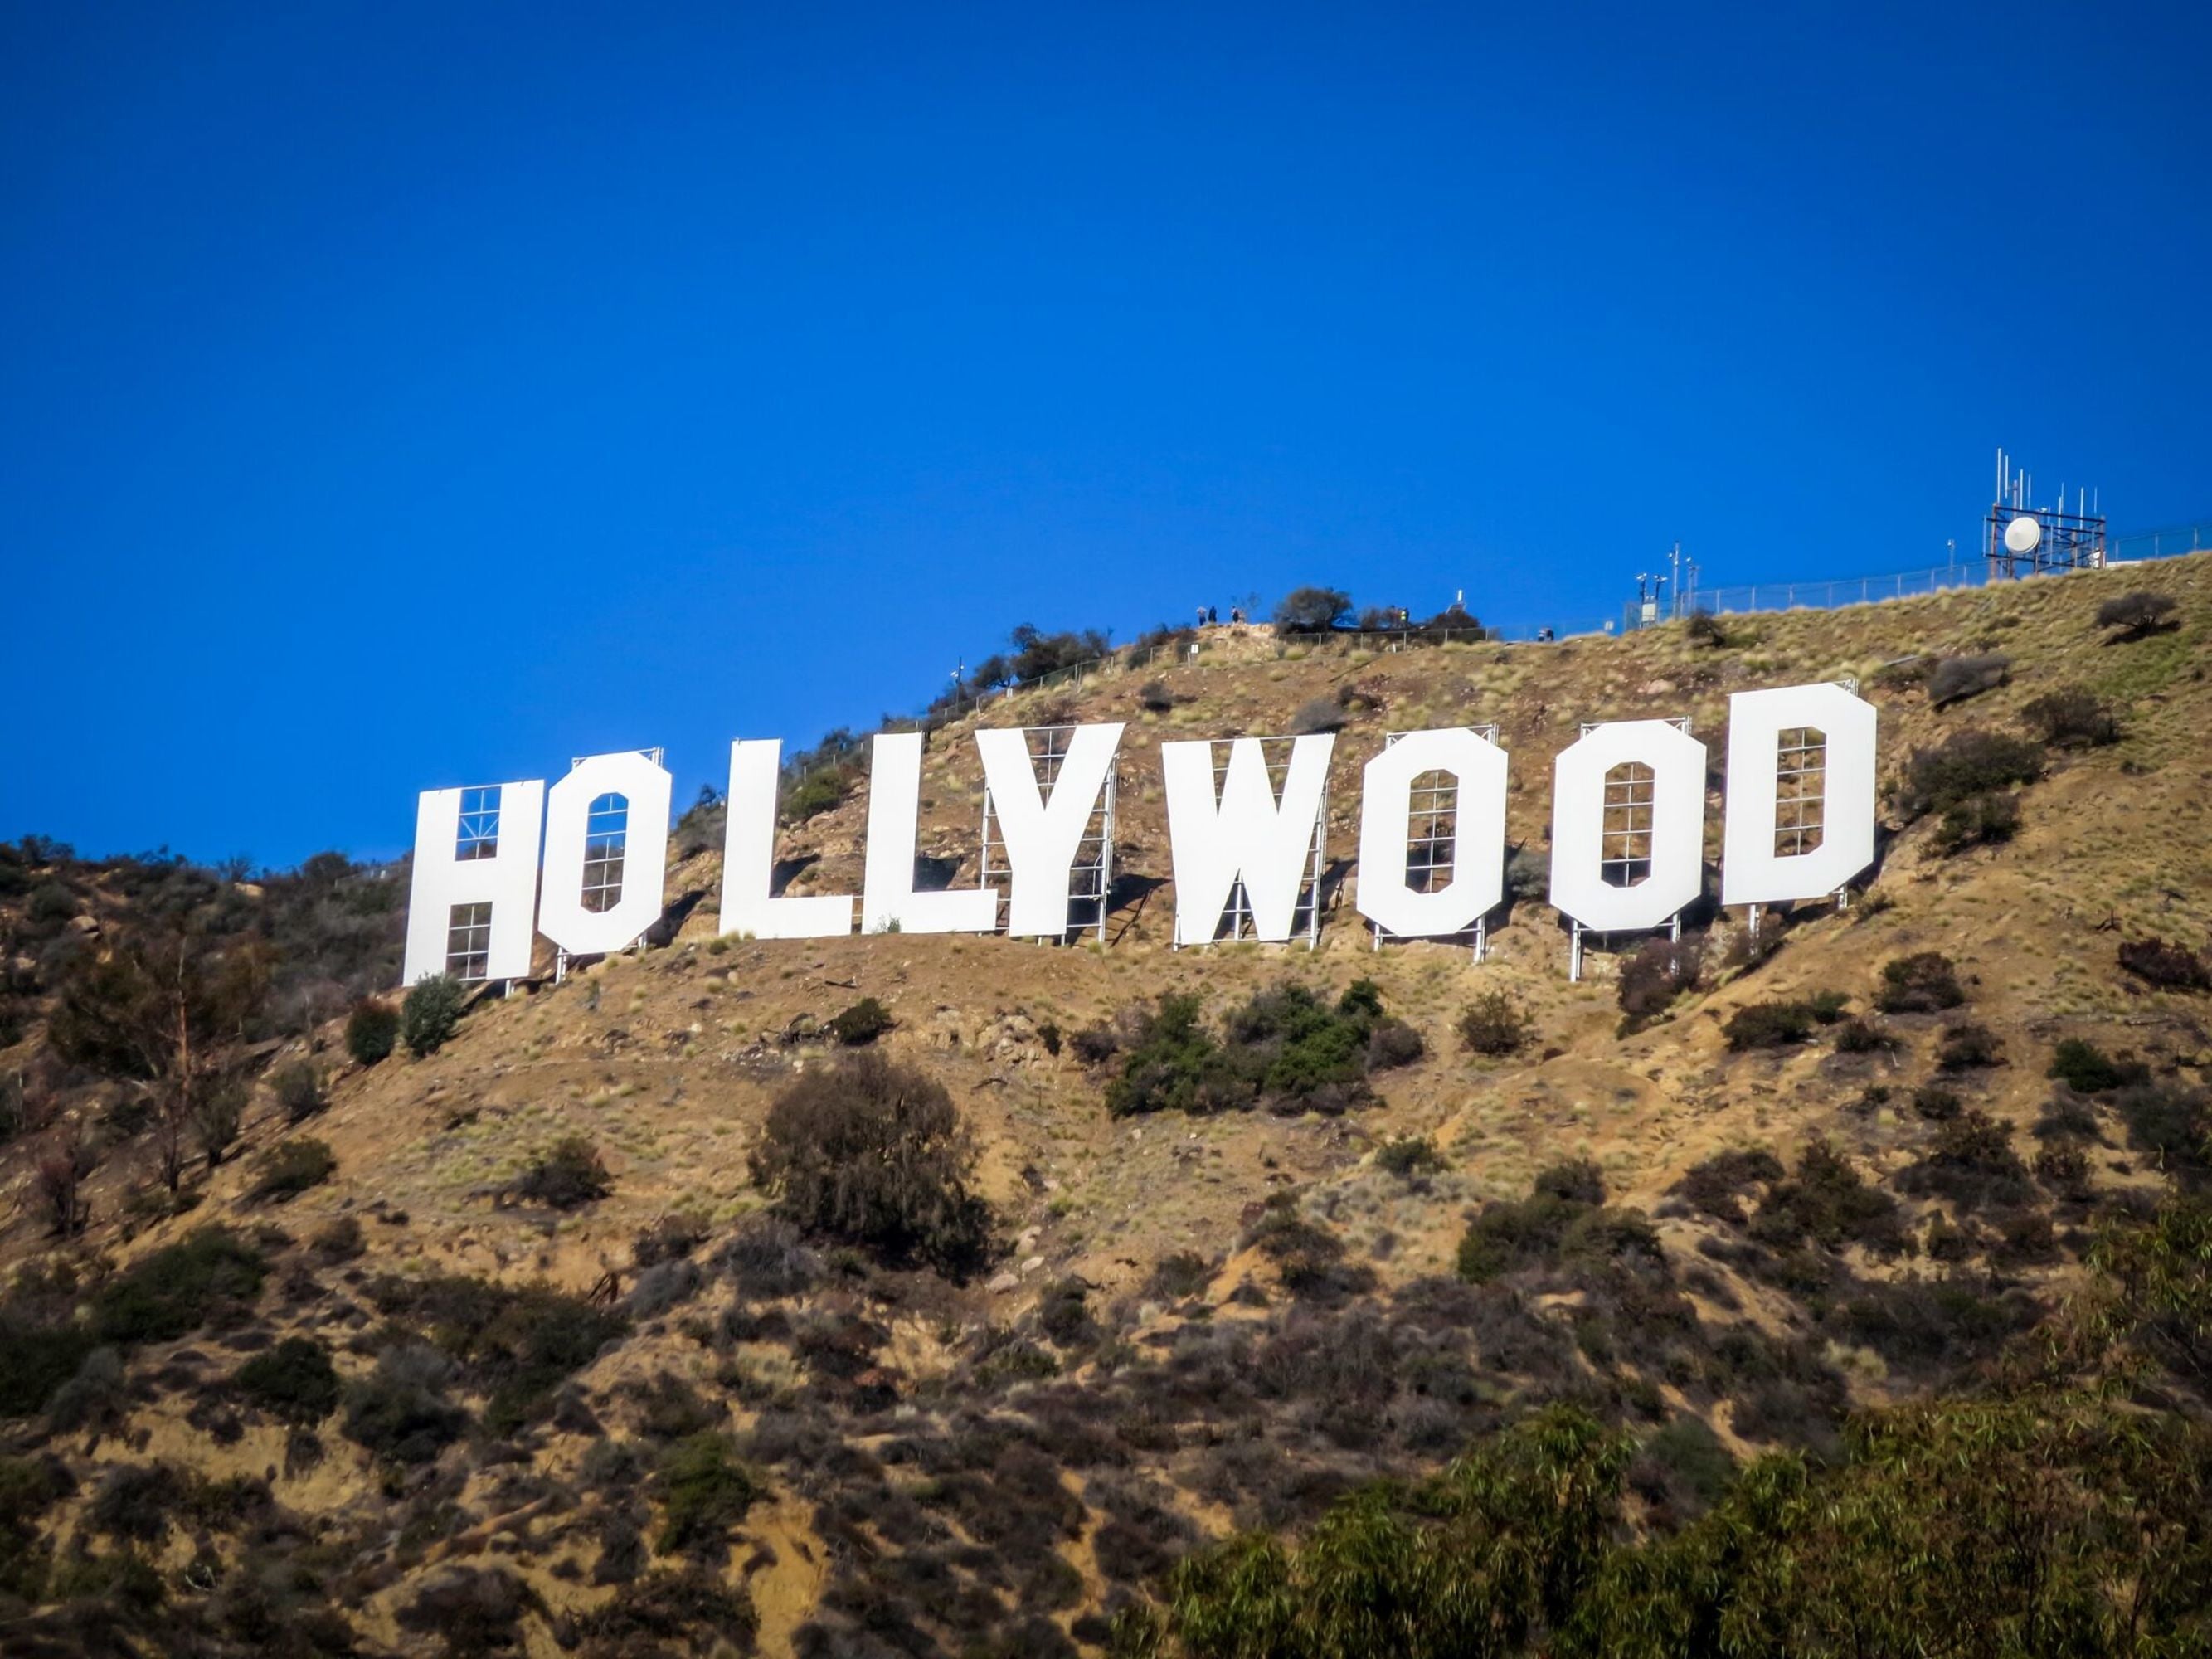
[{"x": 2021, "y": 540}]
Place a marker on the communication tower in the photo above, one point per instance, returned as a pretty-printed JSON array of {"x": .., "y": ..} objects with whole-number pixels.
[{"x": 2019, "y": 539}]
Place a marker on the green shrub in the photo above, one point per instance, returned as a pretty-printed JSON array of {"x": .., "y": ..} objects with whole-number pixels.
[
  {"x": 1657, "y": 972},
  {"x": 1769, "y": 1025},
  {"x": 2136, "y": 615},
  {"x": 1182, "y": 1274},
  {"x": 136, "y": 1502},
  {"x": 400, "y": 1411},
  {"x": 1411, "y": 1155},
  {"x": 704, "y": 1490},
  {"x": 1954, "y": 679},
  {"x": 1308, "y": 1258},
  {"x": 1692, "y": 1457},
  {"x": 1288, "y": 1045},
  {"x": 863, "y": 1023},
  {"x": 37, "y": 1358},
  {"x": 1858, "y": 1035},
  {"x": 294, "y": 1381},
  {"x": 1936, "y": 1104},
  {"x": 290, "y": 1167},
  {"x": 1923, "y": 983},
  {"x": 217, "y": 1117},
  {"x": 299, "y": 1089},
  {"x": 29, "y": 1486},
  {"x": 1171, "y": 1063},
  {"x": 663, "y": 1612},
  {"x": 567, "y": 1176},
  {"x": 172, "y": 1293},
  {"x": 2083, "y": 1066},
  {"x": 1972, "y": 1163},
  {"x": 473, "y": 1611},
  {"x": 875, "y": 1153},
  {"x": 1507, "y": 1235},
  {"x": 2072, "y": 717},
  {"x": 371, "y": 1031},
  {"x": 1715, "y": 1186},
  {"x": 1827, "y": 1202},
  {"x": 516, "y": 1343},
  {"x": 1967, "y": 1047},
  {"x": 338, "y": 1241},
  {"x": 1392, "y": 1043},
  {"x": 1962, "y": 766},
  {"x": 1495, "y": 1025},
  {"x": 2167, "y": 966},
  {"x": 1978, "y": 820},
  {"x": 431, "y": 1013},
  {"x": 2172, "y": 1121}
]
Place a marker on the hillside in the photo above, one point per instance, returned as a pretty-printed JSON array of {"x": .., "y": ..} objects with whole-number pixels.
[{"x": 661, "y": 1418}]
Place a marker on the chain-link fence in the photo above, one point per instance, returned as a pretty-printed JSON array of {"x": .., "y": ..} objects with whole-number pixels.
[
  {"x": 2167, "y": 543},
  {"x": 1188, "y": 645}
]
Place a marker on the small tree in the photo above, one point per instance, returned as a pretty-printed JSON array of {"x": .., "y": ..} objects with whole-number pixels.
[
  {"x": 217, "y": 1114},
  {"x": 371, "y": 1031},
  {"x": 290, "y": 1167},
  {"x": 1926, "y": 982},
  {"x": 299, "y": 1088},
  {"x": 1495, "y": 1025},
  {"x": 162, "y": 1008},
  {"x": 2137, "y": 614},
  {"x": 2072, "y": 717},
  {"x": 1964, "y": 765},
  {"x": 431, "y": 1013},
  {"x": 1312, "y": 610},
  {"x": 862, "y": 1024},
  {"x": 876, "y": 1154},
  {"x": 58, "y": 1179},
  {"x": 569, "y": 1173}
]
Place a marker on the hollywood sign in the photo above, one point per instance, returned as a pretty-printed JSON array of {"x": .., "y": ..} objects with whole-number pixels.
[{"x": 585, "y": 861}]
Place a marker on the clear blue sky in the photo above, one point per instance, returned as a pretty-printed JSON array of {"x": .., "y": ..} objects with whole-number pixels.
[{"x": 395, "y": 397}]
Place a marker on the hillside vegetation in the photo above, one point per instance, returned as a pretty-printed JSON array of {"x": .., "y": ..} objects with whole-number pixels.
[{"x": 1847, "y": 1290}]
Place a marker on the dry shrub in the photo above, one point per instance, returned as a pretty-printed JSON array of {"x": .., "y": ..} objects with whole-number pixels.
[{"x": 874, "y": 1153}]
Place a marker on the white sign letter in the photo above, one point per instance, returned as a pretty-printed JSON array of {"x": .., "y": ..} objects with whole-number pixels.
[
  {"x": 1840, "y": 817},
  {"x": 1041, "y": 835},
  {"x": 888, "y": 898},
  {"x": 1477, "y": 769},
  {"x": 606, "y": 853},
  {"x": 1246, "y": 834},
  {"x": 749, "y": 857},
  {"x": 1657, "y": 847},
  {"x": 472, "y": 905}
]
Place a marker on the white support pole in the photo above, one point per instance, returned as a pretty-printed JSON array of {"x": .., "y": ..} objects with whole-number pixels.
[{"x": 1106, "y": 849}]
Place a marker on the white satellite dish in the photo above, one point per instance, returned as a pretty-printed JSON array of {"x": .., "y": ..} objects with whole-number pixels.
[{"x": 2023, "y": 535}]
